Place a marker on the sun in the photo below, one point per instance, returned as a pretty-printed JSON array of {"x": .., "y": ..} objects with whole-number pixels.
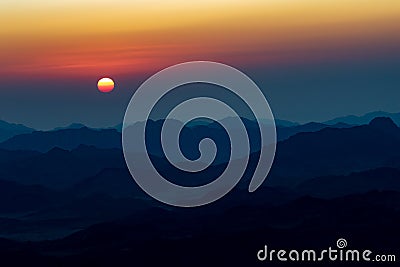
[{"x": 105, "y": 85}]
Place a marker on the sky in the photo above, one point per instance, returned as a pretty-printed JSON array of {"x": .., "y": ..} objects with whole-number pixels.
[{"x": 314, "y": 60}]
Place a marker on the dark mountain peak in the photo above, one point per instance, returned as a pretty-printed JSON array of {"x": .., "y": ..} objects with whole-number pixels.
[
  {"x": 8, "y": 130},
  {"x": 365, "y": 119},
  {"x": 68, "y": 139},
  {"x": 57, "y": 151},
  {"x": 285, "y": 123},
  {"x": 314, "y": 124},
  {"x": 14, "y": 126},
  {"x": 71, "y": 126},
  {"x": 385, "y": 123}
]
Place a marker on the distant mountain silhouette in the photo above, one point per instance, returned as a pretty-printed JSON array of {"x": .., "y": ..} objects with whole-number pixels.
[
  {"x": 57, "y": 168},
  {"x": 112, "y": 182},
  {"x": 8, "y": 157},
  {"x": 192, "y": 134},
  {"x": 385, "y": 124},
  {"x": 364, "y": 119},
  {"x": 66, "y": 139},
  {"x": 71, "y": 126},
  {"x": 35, "y": 213},
  {"x": 333, "y": 151},
  {"x": 70, "y": 193},
  {"x": 286, "y": 132},
  {"x": 303, "y": 156},
  {"x": 16, "y": 198},
  {"x": 8, "y": 130},
  {"x": 285, "y": 123},
  {"x": 382, "y": 179}
]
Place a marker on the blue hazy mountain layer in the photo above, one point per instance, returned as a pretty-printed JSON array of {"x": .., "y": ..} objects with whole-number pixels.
[{"x": 69, "y": 192}]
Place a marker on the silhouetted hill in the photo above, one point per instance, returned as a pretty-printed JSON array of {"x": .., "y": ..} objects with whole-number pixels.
[
  {"x": 285, "y": 123},
  {"x": 286, "y": 132},
  {"x": 84, "y": 211},
  {"x": 9, "y": 157},
  {"x": 72, "y": 136},
  {"x": 232, "y": 236},
  {"x": 66, "y": 139},
  {"x": 112, "y": 182},
  {"x": 365, "y": 119},
  {"x": 382, "y": 179},
  {"x": 58, "y": 168},
  {"x": 326, "y": 183},
  {"x": 384, "y": 124},
  {"x": 332, "y": 151},
  {"x": 71, "y": 126},
  {"x": 15, "y": 198},
  {"x": 8, "y": 130}
]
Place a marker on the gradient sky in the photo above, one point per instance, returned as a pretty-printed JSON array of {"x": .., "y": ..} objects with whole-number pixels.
[{"x": 314, "y": 59}]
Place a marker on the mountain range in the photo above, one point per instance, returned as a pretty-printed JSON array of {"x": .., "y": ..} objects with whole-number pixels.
[
  {"x": 64, "y": 157},
  {"x": 8, "y": 130},
  {"x": 65, "y": 138},
  {"x": 232, "y": 235},
  {"x": 333, "y": 151},
  {"x": 285, "y": 129},
  {"x": 68, "y": 199},
  {"x": 364, "y": 119}
]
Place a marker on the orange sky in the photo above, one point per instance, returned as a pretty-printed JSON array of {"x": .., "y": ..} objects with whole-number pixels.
[{"x": 94, "y": 38}]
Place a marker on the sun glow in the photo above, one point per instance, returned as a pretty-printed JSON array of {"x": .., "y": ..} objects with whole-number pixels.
[{"x": 105, "y": 85}]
